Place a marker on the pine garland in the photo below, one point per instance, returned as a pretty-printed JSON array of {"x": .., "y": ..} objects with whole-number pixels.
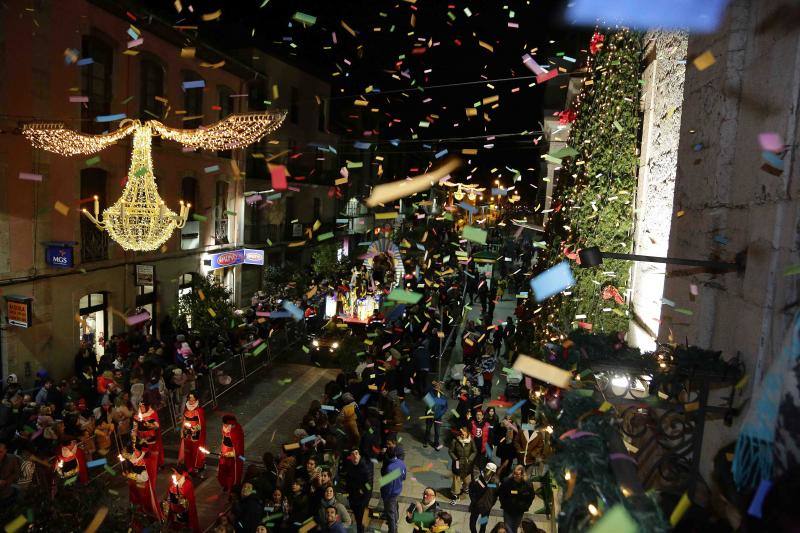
[{"x": 593, "y": 195}]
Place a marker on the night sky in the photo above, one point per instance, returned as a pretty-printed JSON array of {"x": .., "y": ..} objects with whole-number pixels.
[{"x": 441, "y": 45}]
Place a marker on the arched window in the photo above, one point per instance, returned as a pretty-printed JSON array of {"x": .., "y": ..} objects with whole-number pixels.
[
  {"x": 93, "y": 324},
  {"x": 151, "y": 85},
  {"x": 96, "y": 82},
  {"x": 186, "y": 287},
  {"x": 94, "y": 243},
  {"x": 192, "y": 101},
  {"x": 189, "y": 193}
]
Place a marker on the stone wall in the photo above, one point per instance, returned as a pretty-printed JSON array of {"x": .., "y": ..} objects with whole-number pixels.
[
  {"x": 728, "y": 203},
  {"x": 662, "y": 96}
]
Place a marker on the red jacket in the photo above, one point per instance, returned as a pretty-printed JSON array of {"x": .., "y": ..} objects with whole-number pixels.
[{"x": 480, "y": 432}]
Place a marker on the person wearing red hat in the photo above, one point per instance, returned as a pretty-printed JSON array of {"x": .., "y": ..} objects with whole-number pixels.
[
  {"x": 193, "y": 435},
  {"x": 141, "y": 486},
  {"x": 180, "y": 507},
  {"x": 231, "y": 454},
  {"x": 71, "y": 461},
  {"x": 147, "y": 430}
]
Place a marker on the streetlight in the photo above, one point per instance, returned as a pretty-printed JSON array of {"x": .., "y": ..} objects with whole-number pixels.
[{"x": 592, "y": 257}]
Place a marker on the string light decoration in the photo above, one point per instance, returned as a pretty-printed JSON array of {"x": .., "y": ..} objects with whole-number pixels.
[{"x": 139, "y": 220}]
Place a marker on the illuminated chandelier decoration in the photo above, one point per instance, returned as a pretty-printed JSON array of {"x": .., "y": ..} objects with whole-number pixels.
[{"x": 139, "y": 219}]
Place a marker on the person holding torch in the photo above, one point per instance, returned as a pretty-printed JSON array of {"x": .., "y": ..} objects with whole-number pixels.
[
  {"x": 231, "y": 454},
  {"x": 180, "y": 508},
  {"x": 193, "y": 435}
]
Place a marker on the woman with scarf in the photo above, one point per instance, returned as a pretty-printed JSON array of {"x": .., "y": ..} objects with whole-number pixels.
[
  {"x": 231, "y": 454},
  {"x": 180, "y": 507},
  {"x": 141, "y": 487},
  {"x": 193, "y": 435},
  {"x": 147, "y": 430},
  {"x": 463, "y": 453}
]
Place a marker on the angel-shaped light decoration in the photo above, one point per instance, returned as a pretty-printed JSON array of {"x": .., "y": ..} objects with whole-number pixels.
[{"x": 139, "y": 220}]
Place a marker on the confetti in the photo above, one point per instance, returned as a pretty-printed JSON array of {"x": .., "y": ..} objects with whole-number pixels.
[
  {"x": 552, "y": 281},
  {"x": 543, "y": 371},
  {"x": 704, "y": 60}
]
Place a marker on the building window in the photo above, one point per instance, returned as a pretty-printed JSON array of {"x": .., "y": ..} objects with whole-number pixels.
[
  {"x": 92, "y": 326},
  {"x": 96, "y": 82},
  {"x": 151, "y": 81},
  {"x": 220, "y": 214},
  {"x": 257, "y": 94},
  {"x": 192, "y": 102},
  {"x": 94, "y": 242},
  {"x": 189, "y": 193},
  {"x": 294, "y": 106}
]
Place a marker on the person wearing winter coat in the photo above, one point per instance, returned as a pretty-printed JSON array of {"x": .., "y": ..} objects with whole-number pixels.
[
  {"x": 358, "y": 478},
  {"x": 422, "y": 514},
  {"x": 247, "y": 510},
  {"x": 479, "y": 429},
  {"x": 516, "y": 496},
  {"x": 482, "y": 496},
  {"x": 463, "y": 453},
  {"x": 392, "y": 489},
  {"x": 530, "y": 449},
  {"x": 329, "y": 500}
]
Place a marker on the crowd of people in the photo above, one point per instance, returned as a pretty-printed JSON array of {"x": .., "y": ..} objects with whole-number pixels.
[{"x": 348, "y": 444}]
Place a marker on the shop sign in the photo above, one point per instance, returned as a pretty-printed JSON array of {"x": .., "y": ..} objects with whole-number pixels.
[
  {"x": 227, "y": 259},
  {"x": 145, "y": 275},
  {"x": 59, "y": 256},
  {"x": 18, "y": 311},
  {"x": 253, "y": 257}
]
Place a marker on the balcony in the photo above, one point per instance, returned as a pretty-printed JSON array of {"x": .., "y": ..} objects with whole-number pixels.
[{"x": 94, "y": 243}]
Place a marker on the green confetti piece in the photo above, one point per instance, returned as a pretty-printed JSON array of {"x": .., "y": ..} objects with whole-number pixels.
[
  {"x": 141, "y": 171},
  {"x": 355, "y": 164},
  {"x": 403, "y": 296},
  {"x": 230, "y": 213},
  {"x": 303, "y": 18},
  {"x": 16, "y": 524},
  {"x": 550, "y": 159},
  {"x": 70, "y": 481},
  {"x": 110, "y": 470},
  {"x": 616, "y": 520},
  {"x": 471, "y": 233},
  {"x": 388, "y": 478},
  {"x": 92, "y": 161},
  {"x": 305, "y": 349},
  {"x": 684, "y": 311},
  {"x": 325, "y": 236},
  {"x": 199, "y": 218},
  {"x": 261, "y": 347},
  {"x": 618, "y": 125},
  {"x": 128, "y": 99},
  {"x": 792, "y": 270}
]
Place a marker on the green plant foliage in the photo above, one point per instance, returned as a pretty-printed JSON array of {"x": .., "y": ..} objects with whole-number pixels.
[
  {"x": 325, "y": 262},
  {"x": 593, "y": 196},
  {"x": 209, "y": 308}
]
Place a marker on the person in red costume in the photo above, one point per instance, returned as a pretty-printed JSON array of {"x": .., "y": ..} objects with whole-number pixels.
[
  {"x": 147, "y": 430},
  {"x": 141, "y": 487},
  {"x": 180, "y": 507},
  {"x": 231, "y": 454},
  {"x": 71, "y": 461},
  {"x": 193, "y": 435}
]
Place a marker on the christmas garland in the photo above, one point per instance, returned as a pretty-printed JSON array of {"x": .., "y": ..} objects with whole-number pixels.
[{"x": 593, "y": 194}]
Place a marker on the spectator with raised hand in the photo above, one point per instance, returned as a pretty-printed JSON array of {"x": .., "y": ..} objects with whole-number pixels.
[{"x": 422, "y": 514}]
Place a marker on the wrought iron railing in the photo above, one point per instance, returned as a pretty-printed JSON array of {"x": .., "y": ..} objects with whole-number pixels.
[{"x": 94, "y": 243}]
